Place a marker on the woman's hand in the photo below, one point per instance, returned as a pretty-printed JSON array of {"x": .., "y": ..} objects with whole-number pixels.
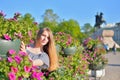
[
  {"x": 37, "y": 62},
  {"x": 22, "y": 47}
]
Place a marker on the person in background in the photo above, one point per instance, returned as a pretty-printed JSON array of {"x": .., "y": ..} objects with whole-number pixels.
[
  {"x": 114, "y": 48},
  {"x": 42, "y": 52},
  {"x": 106, "y": 47}
]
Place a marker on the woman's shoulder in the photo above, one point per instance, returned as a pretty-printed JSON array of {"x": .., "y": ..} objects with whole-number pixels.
[{"x": 44, "y": 54}]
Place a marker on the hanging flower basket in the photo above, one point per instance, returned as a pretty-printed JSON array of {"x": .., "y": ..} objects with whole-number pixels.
[
  {"x": 58, "y": 48},
  {"x": 96, "y": 67},
  {"x": 69, "y": 50},
  {"x": 97, "y": 73},
  {"x": 6, "y": 45}
]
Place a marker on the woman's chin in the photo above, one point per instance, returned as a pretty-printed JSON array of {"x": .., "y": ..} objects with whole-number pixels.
[{"x": 43, "y": 44}]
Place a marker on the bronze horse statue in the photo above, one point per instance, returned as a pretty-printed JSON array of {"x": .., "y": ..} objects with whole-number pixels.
[{"x": 99, "y": 20}]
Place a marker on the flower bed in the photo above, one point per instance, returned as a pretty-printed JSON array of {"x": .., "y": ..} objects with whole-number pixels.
[{"x": 18, "y": 66}]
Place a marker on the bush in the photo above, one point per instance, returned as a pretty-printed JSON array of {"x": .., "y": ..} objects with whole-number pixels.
[
  {"x": 19, "y": 26},
  {"x": 95, "y": 53}
]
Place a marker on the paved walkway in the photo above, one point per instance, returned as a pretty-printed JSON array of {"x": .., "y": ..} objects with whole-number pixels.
[{"x": 112, "y": 70}]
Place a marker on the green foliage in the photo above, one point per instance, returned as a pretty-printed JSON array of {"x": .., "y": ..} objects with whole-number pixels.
[
  {"x": 50, "y": 16},
  {"x": 95, "y": 53},
  {"x": 18, "y": 66},
  {"x": 65, "y": 40},
  {"x": 74, "y": 67},
  {"x": 19, "y": 25},
  {"x": 51, "y": 20},
  {"x": 88, "y": 30},
  {"x": 71, "y": 27},
  {"x": 14, "y": 63},
  {"x": 52, "y": 25}
]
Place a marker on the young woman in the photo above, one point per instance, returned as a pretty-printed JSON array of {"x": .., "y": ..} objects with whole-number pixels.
[{"x": 43, "y": 51}]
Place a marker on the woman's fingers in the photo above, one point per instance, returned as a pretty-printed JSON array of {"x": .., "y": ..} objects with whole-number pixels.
[{"x": 22, "y": 46}]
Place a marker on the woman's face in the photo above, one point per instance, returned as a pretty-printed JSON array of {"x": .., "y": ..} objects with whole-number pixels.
[{"x": 44, "y": 38}]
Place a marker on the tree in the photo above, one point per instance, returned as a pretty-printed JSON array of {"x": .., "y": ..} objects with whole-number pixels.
[
  {"x": 71, "y": 27},
  {"x": 50, "y": 19},
  {"x": 87, "y": 29},
  {"x": 50, "y": 16}
]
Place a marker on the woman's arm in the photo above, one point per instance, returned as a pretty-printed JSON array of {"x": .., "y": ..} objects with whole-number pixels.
[{"x": 36, "y": 62}]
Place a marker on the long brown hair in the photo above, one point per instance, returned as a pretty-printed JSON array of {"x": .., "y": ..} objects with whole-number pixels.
[{"x": 50, "y": 49}]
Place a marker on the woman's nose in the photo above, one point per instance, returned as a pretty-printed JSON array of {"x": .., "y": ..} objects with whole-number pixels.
[{"x": 45, "y": 38}]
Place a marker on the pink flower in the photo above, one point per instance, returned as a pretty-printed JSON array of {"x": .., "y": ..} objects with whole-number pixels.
[
  {"x": 11, "y": 76},
  {"x": 34, "y": 68},
  {"x": 12, "y": 19},
  {"x": 20, "y": 35},
  {"x": 11, "y": 51},
  {"x": 37, "y": 75},
  {"x": 2, "y": 14},
  {"x": 83, "y": 58},
  {"x": 31, "y": 41},
  {"x": 94, "y": 55},
  {"x": 7, "y": 37},
  {"x": 14, "y": 69},
  {"x": 47, "y": 73},
  {"x": 19, "y": 78},
  {"x": 35, "y": 23},
  {"x": 10, "y": 59},
  {"x": 0, "y": 58},
  {"x": 27, "y": 68},
  {"x": 17, "y": 59},
  {"x": 91, "y": 59},
  {"x": 22, "y": 53},
  {"x": 34, "y": 74}
]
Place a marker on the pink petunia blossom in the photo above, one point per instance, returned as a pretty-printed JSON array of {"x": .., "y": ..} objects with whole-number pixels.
[
  {"x": 11, "y": 51},
  {"x": 0, "y": 58},
  {"x": 83, "y": 58},
  {"x": 35, "y": 23},
  {"x": 34, "y": 74},
  {"x": 11, "y": 76},
  {"x": 34, "y": 68},
  {"x": 2, "y": 14},
  {"x": 22, "y": 53},
  {"x": 31, "y": 41},
  {"x": 27, "y": 68},
  {"x": 17, "y": 59},
  {"x": 20, "y": 78},
  {"x": 7, "y": 37},
  {"x": 20, "y": 35},
  {"x": 14, "y": 69},
  {"x": 94, "y": 55},
  {"x": 37, "y": 75},
  {"x": 47, "y": 73},
  {"x": 10, "y": 59}
]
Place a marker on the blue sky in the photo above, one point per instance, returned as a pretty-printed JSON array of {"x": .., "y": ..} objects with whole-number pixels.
[{"x": 83, "y": 11}]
